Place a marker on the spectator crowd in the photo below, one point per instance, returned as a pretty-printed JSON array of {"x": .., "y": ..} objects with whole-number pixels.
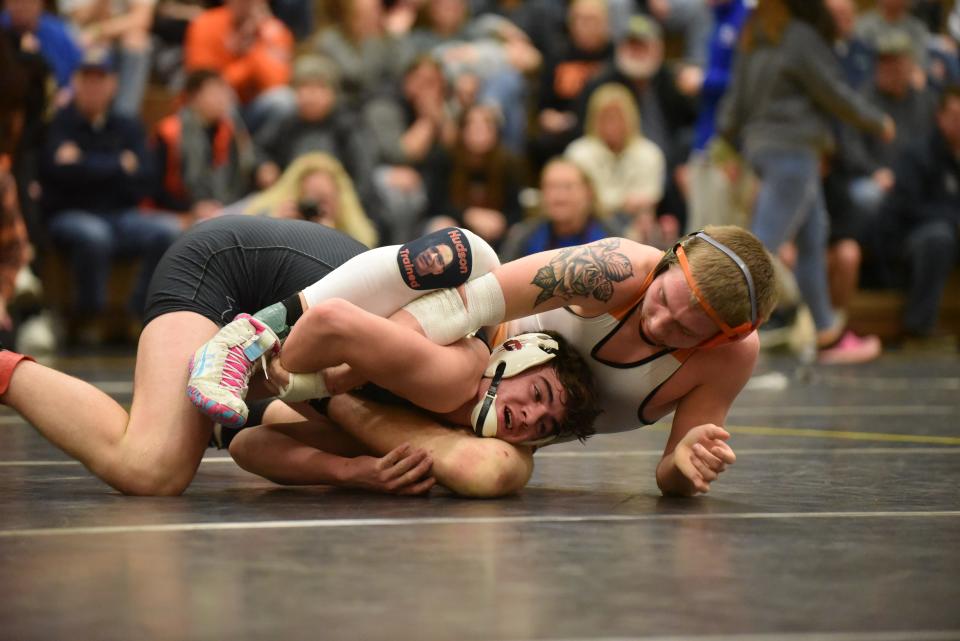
[{"x": 830, "y": 128}]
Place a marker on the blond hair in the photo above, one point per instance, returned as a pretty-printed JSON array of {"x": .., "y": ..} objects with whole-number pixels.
[
  {"x": 613, "y": 93},
  {"x": 350, "y": 218},
  {"x": 721, "y": 281}
]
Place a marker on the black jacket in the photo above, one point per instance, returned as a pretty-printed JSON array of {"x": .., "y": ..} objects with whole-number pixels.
[
  {"x": 97, "y": 182},
  {"x": 927, "y": 187}
]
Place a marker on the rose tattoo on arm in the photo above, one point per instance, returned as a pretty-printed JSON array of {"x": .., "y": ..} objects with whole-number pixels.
[{"x": 583, "y": 271}]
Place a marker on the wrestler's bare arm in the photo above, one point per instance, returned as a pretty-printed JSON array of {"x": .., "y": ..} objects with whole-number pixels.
[
  {"x": 595, "y": 278},
  {"x": 592, "y": 279},
  {"x": 696, "y": 451},
  {"x": 314, "y": 453},
  {"x": 435, "y": 377},
  {"x": 304, "y": 453},
  {"x": 463, "y": 463}
]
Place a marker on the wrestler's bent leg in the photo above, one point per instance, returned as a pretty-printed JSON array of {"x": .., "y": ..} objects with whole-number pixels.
[{"x": 153, "y": 450}]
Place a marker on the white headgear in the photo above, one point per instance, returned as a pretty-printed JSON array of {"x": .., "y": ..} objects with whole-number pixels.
[{"x": 515, "y": 355}]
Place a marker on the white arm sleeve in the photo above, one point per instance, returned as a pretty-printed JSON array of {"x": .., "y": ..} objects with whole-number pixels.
[{"x": 379, "y": 280}]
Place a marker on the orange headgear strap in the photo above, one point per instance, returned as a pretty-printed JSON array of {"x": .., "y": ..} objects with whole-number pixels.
[{"x": 727, "y": 334}]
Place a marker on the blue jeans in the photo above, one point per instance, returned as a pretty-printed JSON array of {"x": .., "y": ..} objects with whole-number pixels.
[
  {"x": 790, "y": 206},
  {"x": 931, "y": 252},
  {"x": 91, "y": 240}
]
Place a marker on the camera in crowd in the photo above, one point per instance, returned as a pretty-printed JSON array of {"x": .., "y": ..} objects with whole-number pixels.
[{"x": 311, "y": 210}]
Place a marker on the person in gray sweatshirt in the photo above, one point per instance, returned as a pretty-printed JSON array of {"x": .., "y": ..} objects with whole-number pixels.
[{"x": 787, "y": 85}]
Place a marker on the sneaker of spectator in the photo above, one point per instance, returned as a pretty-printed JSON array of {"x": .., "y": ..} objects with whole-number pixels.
[
  {"x": 37, "y": 334},
  {"x": 791, "y": 327},
  {"x": 851, "y": 349}
]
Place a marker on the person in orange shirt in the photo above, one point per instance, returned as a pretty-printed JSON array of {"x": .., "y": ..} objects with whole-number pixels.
[{"x": 252, "y": 50}]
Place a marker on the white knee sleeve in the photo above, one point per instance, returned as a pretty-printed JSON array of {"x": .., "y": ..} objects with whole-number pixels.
[
  {"x": 444, "y": 317},
  {"x": 385, "y": 279}
]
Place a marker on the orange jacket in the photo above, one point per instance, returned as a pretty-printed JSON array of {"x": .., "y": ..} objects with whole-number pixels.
[
  {"x": 263, "y": 66},
  {"x": 169, "y": 133}
]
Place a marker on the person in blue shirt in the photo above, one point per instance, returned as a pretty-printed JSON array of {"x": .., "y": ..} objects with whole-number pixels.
[
  {"x": 568, "y": 205},
  {"x": 47, "y": 34}
]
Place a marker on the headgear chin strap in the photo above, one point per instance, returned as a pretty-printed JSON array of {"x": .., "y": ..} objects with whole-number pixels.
[
  {"x": 514, "y": 356},
  {"x": 727, "y": 334}
]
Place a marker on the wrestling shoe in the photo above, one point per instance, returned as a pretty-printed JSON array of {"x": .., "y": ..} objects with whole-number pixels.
[{"x": 220, "y": 370}]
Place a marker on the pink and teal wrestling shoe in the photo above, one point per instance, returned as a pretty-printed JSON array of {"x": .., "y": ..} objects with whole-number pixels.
[{"x": 220, "y": 370}]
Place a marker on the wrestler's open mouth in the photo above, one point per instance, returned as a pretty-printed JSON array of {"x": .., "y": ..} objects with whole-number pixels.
[{"x": 507, "y": 420}]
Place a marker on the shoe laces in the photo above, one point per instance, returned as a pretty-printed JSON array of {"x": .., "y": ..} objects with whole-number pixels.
[{"x": 237, "y": 371}]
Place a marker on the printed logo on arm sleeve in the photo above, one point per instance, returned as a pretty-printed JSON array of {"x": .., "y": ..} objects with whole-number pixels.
[{"x": 436, "y": 261}]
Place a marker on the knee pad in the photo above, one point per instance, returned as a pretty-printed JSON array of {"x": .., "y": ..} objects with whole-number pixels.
[{"x": 385, "y": 279}]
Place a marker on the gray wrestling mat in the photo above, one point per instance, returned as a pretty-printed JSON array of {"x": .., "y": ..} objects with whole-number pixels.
[{"x": 839, "y": 522}]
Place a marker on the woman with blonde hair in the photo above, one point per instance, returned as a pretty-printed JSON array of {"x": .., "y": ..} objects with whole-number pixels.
[
  {"x": 627, "y": 169},
  {"x": 314, "y": 187}
]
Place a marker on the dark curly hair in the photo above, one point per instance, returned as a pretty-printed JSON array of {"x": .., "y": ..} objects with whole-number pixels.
[{"x": 582, "y": 403}]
